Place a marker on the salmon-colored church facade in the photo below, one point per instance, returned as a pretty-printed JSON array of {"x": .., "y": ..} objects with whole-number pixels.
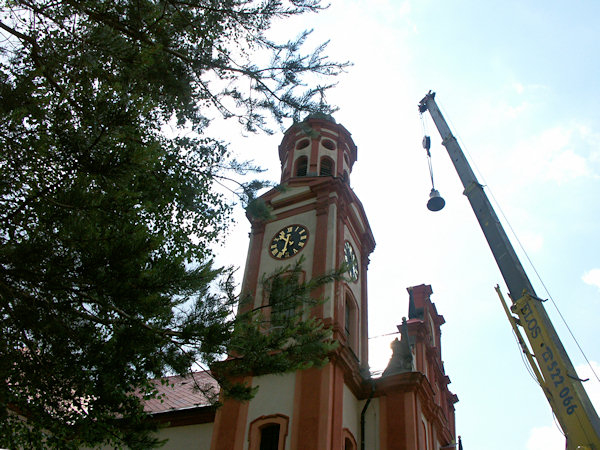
[{"x": 339, "y": 406}]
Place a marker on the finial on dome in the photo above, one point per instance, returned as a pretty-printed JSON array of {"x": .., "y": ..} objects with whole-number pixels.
[{"x": 321, "y": 116}]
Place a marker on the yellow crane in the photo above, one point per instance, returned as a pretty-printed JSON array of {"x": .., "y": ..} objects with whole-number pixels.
[{"x": 545, "y": 353}]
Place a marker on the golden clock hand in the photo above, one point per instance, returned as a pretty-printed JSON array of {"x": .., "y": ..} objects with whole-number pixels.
[{"x": 287, "y": 241}]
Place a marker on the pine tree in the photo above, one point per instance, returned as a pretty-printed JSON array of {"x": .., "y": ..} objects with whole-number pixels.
[{"x": 106, "y": 274}]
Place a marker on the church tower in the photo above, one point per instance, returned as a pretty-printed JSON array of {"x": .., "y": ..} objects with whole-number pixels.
[{"x": 318, "y": 217}]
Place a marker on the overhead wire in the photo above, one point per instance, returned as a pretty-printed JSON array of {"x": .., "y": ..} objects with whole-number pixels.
[{"x": 383, "y": 335}]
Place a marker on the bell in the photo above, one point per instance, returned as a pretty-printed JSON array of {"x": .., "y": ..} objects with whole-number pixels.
[{"x": 436, "y": 202}]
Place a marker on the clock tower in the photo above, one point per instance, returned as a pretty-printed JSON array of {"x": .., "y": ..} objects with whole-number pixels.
[{"x": 317, "y": 217}]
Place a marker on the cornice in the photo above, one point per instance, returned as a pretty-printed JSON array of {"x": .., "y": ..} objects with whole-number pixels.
[
  {"x": 188, "y": 416},
  {"x": 320, "y": 188}
]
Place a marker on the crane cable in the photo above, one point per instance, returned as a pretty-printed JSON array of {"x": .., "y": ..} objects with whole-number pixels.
[
  {"x": 424, "y": 123},
  {"x": 519, "y": 244},
  {"x": 426, "y": 146}
]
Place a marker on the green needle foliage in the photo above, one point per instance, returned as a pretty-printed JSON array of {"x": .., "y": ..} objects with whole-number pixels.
[
  {"x": 281, "y": 335},
  {"x": 107, "y": 200}
]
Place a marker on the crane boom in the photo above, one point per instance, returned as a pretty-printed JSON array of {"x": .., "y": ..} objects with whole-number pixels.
[{"x": 558, "y": 378}]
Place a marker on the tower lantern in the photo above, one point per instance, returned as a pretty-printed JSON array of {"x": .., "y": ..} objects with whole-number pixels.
[{"x": 318, "y": 146}]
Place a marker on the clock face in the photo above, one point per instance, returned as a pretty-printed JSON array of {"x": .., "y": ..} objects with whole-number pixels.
[
  {"x": 351, "y": 261},
  {"x": 288, "y": 241}
]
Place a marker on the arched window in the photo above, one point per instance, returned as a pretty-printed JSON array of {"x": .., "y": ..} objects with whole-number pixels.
[
  {"x": 432, "y": 333},
  {"x": 282, "y": 307},
  {"x": 278, "y": 305},
  {"x": 268, "y": 432},
  {"x": 301, "y": 166},
  {"x": 351, "y": 322},
  {"x": 326, "y": 167},
  {"x": 349, "y": 441},
  {"x": 347, "y": 320},
  {"x": 269, "y": 436},
  {"x": 425, "y": 427}
]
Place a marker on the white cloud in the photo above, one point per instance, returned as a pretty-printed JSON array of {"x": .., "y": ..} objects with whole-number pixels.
[
  {"x": 513, "y": 112},
  {"x": 404, "y": 9},
  {"x": 567, "y": 165},
  {"x": 592, "y": 277},
  {"x": 521, "y": 88},
  {"x": 550, "y": 154},
  {"x": 545, "y": 438},
  {"x": 518, "y": 87}
]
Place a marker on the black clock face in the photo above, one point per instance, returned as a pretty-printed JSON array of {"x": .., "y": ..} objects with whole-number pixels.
[
  {"x": 288, "y": 241},
  {"x": 351, "y": 261}
]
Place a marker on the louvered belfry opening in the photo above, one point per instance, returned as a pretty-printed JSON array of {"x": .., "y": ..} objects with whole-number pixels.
[
  {"x": 301, "y": 166},
  {"x": 326, "y": 167}
]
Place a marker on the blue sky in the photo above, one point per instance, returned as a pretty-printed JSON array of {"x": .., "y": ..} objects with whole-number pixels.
[{"x": 518, "y": 83}]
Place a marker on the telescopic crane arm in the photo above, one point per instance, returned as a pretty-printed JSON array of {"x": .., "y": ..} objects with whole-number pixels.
[{"x": 551, "y": 364}]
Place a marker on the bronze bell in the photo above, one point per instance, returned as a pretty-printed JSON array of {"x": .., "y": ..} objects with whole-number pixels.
[{"x": 436, "y": 202}]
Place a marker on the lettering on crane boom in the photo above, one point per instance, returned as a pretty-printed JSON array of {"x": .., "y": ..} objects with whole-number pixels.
[{"x": 557, "y": 379}]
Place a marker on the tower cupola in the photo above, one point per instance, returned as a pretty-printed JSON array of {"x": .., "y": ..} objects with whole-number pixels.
[{"x": 317, "y": 147}]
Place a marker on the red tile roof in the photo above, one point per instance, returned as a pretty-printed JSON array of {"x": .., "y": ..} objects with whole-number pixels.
[{"x": 195, "y": 390}]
